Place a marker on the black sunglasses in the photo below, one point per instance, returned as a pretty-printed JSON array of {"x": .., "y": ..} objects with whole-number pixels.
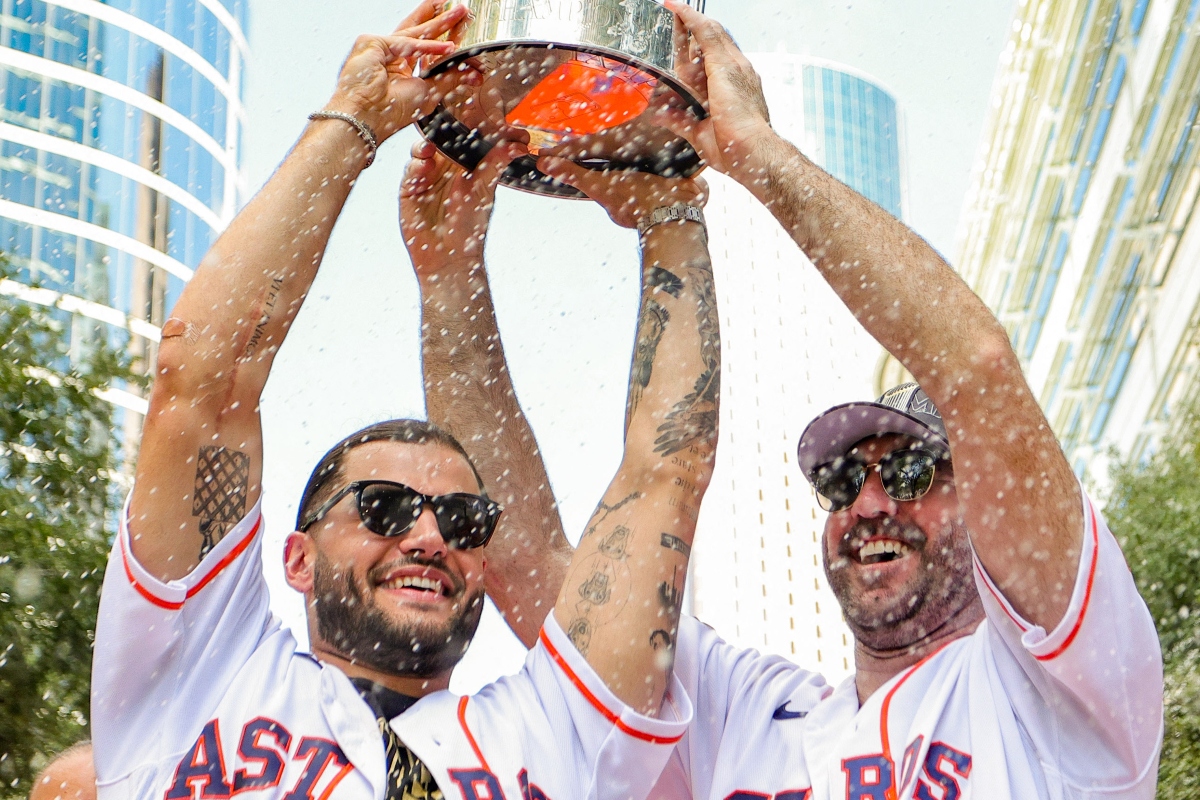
[
  {"x": 905, "y": 474},
  {"x": 387, "y": 508}
]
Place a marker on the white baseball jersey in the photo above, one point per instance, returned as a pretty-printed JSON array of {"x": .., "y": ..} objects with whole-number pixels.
[
  {"x": 198, "y": 692},
  {"x": 1009, "y": 712}
]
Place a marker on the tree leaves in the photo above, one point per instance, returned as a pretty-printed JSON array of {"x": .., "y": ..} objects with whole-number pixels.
[
  {"x": 1154, "y": 510},
  {"x": 57, "y": 507}
]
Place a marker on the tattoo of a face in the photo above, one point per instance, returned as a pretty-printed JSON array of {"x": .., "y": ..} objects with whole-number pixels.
[
  {"x": 580, "y": 634},
  {"x": 614, "y": 545},
  {"x": 694, "y": 419},
  {"x": 597, "y": 589},
  {"x": 219, "y": 495},
  {"x": 675, "y": 543},
  {"x": 661, "y": 640}
]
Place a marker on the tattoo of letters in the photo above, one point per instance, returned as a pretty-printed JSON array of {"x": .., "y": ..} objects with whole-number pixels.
[
  {"x": 675, "y": 543},
  {"x": 695, "y": 417},
  {"x": 219, "y": 496}
]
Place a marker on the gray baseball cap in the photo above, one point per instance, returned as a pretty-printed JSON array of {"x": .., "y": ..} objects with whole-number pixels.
[{"x": 905, "y": 409}]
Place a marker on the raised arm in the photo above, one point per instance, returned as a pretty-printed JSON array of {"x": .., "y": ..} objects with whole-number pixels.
[
  {"x": 444, "y": 214},
  {"x": 621, "y": 600},
  {"x": 200, "y": 465},
  {"x": 1019, "y": 498}
]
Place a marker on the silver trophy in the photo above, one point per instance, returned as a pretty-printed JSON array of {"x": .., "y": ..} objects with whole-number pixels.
[{"x": 581, "y": 77}]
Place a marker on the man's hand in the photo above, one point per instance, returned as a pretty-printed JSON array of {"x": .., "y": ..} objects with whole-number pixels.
[
  {"x": 711, "y": 65},
  {"x": 627, "y": 195},
  {"x": 376, "y": 84},
  {"x": 444, "y": 210}
]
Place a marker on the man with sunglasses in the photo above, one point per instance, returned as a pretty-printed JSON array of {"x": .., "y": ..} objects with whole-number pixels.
[
  {"x": 199, "y": 693},
  {"x": 1001, "y": 648}
]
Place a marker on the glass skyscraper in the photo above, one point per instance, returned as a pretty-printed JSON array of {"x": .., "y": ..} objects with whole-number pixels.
[
  {"x": 790, "y": 350},
  {"x": 1079, "y": 229},
  {"x": 120, "y": 145}
]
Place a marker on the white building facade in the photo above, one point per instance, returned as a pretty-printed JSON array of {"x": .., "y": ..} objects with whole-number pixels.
[
  {"x": 121, "y": 125},
  {"x": 1079, "y": 228}
]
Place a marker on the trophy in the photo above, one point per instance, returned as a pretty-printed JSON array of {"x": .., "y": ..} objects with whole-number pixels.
[{"x": 581, "y": 77}]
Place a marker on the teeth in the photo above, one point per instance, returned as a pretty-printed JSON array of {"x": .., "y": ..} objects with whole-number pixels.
[
  {"x": 412, "y": 582},
  {"x": 881, "y": 547}
]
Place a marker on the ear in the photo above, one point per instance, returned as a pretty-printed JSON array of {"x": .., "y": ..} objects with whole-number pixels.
[{"x": 299, "y": 561}]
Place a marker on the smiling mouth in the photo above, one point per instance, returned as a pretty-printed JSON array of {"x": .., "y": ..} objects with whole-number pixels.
[
  {"x": 882, "y": 551},
  {"x": 430, "y": 585}
]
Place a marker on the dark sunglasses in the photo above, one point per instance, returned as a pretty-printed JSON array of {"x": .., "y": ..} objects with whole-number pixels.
[
  {"x": 387, "y": 508},
  {"x": 905, "y": 474}
]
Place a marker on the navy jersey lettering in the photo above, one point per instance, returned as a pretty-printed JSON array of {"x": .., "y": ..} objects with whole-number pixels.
[
  {"x": 202, "y": 767},
  {"x": 741, "y": 794},
  {"x": 320, "y": 753},
  {"x": 530, "y": 791},
  {"x": 477, "y": 784},
  {"x": 867, "y": 777},
  {"x": 795, "y": 794},
  {"x": 266, "y": 756},
  {"x": 909, "y": 765},
  {"x": 942, "y": 757}
]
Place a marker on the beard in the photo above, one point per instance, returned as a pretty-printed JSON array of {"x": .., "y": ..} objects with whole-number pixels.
[
  {"x": 357, "y": 628},
  {"x": 942, "y": 587}
]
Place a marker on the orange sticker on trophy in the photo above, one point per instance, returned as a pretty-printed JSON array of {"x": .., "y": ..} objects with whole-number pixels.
[{"x": 586, "y": 95}]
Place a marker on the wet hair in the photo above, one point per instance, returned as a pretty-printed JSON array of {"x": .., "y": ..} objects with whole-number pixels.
[{"x": 327, "y": 475}]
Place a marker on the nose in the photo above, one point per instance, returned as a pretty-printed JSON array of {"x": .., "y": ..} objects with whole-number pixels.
[
  {"x": 425, "y": 537},
  {"x": 873, "y": 501}
]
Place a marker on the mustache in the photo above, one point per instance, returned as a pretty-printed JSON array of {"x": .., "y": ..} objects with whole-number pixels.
[{"x": 867, "y": 529}]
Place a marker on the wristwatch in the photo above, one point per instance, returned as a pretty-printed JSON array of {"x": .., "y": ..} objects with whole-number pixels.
[{"x": 675, "y": 213}]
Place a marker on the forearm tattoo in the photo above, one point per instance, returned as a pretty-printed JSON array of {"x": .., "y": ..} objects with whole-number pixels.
[
  {"x": 670, "y": 600},
  {"x": 694, "y": 419},
  {"x": 675, "y": 543},
  {"x": 606, "y": 591},
  {"x": 219, "y": 496},
  {"x": 652, "y": 324}
]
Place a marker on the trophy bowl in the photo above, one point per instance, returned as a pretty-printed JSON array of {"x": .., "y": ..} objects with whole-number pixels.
[{"x": 582, "y": 78}]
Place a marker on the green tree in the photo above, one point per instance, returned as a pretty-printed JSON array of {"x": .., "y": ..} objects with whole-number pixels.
[
  {"x": 1155, "y": 512},
  {"x": 57, "y": 506}
]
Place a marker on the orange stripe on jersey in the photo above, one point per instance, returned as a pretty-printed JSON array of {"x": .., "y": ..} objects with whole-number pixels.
[
  {"x": 1087, "y": 595},
  {"x": 346, "y": 770},
  {"x": 462, "y": 721},
  {"x": 999, "y": 599},
  {"x": 890, "y": 792},
  {"x": 175, "y": 605},
  {"x": 595, "y": 701}
]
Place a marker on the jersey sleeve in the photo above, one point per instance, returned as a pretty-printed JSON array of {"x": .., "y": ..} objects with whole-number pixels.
[
  {"x": 166, "y": 653},
  {"x": 740, "y": 696},
  {"x": 1088, "y": 694}
]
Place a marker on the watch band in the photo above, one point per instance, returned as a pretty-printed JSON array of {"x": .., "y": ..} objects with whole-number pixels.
[{"x": 679, "y": 212}]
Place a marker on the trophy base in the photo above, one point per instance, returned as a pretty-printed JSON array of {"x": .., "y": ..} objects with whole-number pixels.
[{"x": 589, "y": 104}]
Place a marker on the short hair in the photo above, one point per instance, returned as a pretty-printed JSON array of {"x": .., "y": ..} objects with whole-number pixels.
[{"x": 329, "y": 470}]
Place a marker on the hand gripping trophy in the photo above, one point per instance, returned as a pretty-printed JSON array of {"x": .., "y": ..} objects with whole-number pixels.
[{"x": 581, "y": 78}]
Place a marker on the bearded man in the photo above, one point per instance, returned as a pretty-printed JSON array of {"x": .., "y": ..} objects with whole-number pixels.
[
  {"x": 1001, "y": 648},
  {"x": 198, "y": 692}
]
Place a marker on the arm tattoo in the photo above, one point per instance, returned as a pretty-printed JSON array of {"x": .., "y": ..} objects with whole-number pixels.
[
  {"x": 607, "y": 509},
  {"x": 652, "y": 323},
  {"x": 268, "y": 306},
  {"x": 219, "y": 496},
  {"x": 675, "y": 543},
  {"x": 664, "y": 279},
  {"x": 670, "y": 598},
  {"x": 695, "y": 418},
  {"x": 609, "y": 574}
]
